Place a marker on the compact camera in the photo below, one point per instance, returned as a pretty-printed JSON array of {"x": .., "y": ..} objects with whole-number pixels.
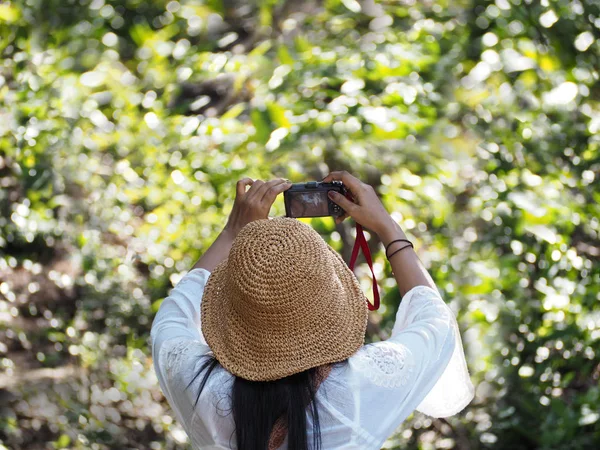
[{"x": 310, "y": 199}]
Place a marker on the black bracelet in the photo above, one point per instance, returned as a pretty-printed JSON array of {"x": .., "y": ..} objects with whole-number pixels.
[
  {"x": 387, "y": 248},
  {"x": 399, "y": 250}
]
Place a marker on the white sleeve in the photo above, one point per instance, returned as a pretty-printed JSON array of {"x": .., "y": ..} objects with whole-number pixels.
[
  {"x": 176, "y": 337},
  {"x": 179, "y": 314},
  {"x": 453, "y": 389},
  {"x": 421, "y": 367}
]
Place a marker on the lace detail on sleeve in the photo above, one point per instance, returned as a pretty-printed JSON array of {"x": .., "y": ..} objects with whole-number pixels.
[
  {"x": 386, "y": 364},
  {"x": 175, "y": 352}
]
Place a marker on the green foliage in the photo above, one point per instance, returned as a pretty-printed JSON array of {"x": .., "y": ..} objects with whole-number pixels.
[{"x": 125, "y": 124}]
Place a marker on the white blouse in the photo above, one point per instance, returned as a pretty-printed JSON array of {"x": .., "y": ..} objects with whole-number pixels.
[{"x": 361, "y": 403}]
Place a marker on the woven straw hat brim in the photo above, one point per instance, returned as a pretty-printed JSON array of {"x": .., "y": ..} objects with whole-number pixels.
[{"x": 263, "y": 351}]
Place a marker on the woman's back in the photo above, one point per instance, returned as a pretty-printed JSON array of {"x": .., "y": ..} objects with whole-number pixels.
[{"x": 362, "y": 400}]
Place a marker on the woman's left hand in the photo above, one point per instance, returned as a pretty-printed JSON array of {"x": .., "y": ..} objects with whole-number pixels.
[{"x": 255, "y": 203}]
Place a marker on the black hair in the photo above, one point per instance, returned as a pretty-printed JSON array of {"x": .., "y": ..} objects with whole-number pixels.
[{"x": 257, "y": 405}]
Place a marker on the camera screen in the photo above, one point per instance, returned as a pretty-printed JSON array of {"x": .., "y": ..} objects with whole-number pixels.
[{"x": 309, "y": 204}]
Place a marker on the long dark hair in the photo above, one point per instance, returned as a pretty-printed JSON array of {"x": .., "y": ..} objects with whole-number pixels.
[{"x": 257, "y": 405}]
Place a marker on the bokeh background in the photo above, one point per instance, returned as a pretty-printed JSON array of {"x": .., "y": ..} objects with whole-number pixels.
[{"x": 124, "y": 125}]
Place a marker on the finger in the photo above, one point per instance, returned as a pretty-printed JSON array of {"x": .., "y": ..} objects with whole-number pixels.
[
  {"x": 240, "y": 186},
  {"x": 349, "y": 180},
  {"x": 260, "y": 192},
  {"x": 346, "y": 204},
  {"x": 255, "y": 186},
  {"x": 341, "y": 218},
  {"x": 273, "y": 191}
]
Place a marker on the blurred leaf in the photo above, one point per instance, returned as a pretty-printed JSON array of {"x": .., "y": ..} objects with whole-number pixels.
[
  {"x": 63, "y": 441},
  {"x": 277, "y": 114},
  {"x": 233, "y": 112},
  {"x": 9, "y": 13},
  {"x": 261, "y": 124},
  {"x": 284, "y": 56}
]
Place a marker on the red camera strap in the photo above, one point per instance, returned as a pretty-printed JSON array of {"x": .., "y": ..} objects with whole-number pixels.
[{"x": 361, "y": 243}]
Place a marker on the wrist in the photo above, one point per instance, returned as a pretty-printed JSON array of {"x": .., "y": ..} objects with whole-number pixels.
[
  {"x": 390, "y": 231},
  {"x": 228, "y": 233}
]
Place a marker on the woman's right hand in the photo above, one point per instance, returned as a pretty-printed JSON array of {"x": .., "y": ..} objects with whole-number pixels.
[
  {"x": 255, "y": 203},
  {"x": 366, "y": 209}
]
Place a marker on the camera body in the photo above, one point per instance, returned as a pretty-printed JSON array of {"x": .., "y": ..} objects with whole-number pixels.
[{"x": 310, "y": 199}]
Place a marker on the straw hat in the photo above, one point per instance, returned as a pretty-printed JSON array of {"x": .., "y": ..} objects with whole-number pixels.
[{"x": 282, "y": 302}]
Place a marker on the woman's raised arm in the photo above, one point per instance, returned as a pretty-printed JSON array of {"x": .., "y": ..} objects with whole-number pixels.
[
  {"x": 249, "y": 205},
  {"x": 368, "y": 211}
]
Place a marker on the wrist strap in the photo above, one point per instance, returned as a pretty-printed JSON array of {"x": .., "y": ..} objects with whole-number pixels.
[{"x": 361, "y": 243}]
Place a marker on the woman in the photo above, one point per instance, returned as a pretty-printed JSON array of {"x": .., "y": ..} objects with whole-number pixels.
[{"x": 260, "y": 345}]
